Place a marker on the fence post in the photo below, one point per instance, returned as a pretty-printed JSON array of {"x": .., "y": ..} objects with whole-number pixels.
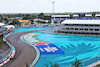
[
  {"x": 87, "y": 61},
  {"x": 91, "y": 60},
  {"x": 96, "y": 59}
]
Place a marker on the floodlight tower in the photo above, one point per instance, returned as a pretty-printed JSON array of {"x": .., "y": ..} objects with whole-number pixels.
[{"x": 52, "y": 21}]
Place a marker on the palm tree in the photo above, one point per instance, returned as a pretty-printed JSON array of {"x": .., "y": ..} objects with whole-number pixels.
[
  {"x": 55, "y": 65},
  {"x": 98, "y": 66},
  {"x": 46, "y": 65},
  {"x": 77, "y": 63},
  {"x": 27, "y": 65}
]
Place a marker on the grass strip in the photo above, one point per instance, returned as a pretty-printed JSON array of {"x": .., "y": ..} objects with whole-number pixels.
[{"x": 2, "y": 43}]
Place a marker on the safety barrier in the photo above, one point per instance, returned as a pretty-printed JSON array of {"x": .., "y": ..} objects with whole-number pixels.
[
  {"x": 11, "y": 51},
  {"x": 42, "y": 25},
  {"x": 3, "y": 55}
]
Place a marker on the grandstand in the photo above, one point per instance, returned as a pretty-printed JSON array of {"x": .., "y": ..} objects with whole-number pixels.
[
  {"x": 85, "y": 27},
  {"x": 59, "y": 18},
  {"x": 75, "y": 16},
  {"x": 84, "y": 16},
  {"x": 97, "y": 16}
]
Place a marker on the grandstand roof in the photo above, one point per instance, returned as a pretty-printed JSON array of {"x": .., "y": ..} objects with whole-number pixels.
[
  {"x": 97, "y": 15},
  {"x": 88, "y": 14},
  {"x": 60, "y": 15},
  {"x": 81, "y": 22},
  {"x": 75, "y": 15}
]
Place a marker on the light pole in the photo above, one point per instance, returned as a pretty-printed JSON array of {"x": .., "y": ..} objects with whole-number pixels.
[{"x": 53, "y": 13}]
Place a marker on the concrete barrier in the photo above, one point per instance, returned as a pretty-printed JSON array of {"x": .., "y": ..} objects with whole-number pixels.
[{"x": 12, "y": 52}]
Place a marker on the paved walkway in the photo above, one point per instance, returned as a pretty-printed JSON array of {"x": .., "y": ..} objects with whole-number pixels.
[
  {"x": 94, "y": 64},
  {"x": 25, "y": 53}
]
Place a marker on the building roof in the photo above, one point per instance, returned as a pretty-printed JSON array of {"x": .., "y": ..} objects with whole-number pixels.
[
  {"x": 1, "y": 24},
  {"x": 9, "y": 26},
  {"x": 97, "y": 15},
  {"x": 88, "y": 14},
  {"x": 75, "y": 15},
  {"x": 81, "y": 22},
  {"x": 60, "y": 15}
]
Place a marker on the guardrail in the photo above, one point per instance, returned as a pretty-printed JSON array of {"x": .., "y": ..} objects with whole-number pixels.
[
  {"x": 11, "y": 52},
  {"x": 3, "y": 55},
  {"x": 41, "y": 25}
]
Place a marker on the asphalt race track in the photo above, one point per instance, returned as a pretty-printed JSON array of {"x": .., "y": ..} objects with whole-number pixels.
[{"x": 25, "y": 53}]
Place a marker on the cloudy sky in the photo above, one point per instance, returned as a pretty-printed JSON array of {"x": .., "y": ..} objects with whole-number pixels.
[{"x": 46, "y": 6}]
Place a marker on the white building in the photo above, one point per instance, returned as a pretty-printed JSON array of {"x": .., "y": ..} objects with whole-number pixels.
[
  {"x": 75, "y": 16},
  {"x": 82, "y": 16},
  {"x": 9, "y": 26},
  {"x": 86, "y": 27},
  {"x": 2, "y": 29},
  {"x": 59, "y": 18},
  {"x": 2, "y": 24},
  {"x": 97, "y": 16},
  {"x": 88, "y": 15}
]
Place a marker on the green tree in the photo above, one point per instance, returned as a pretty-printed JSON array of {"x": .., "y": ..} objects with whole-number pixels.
[
  {"x": 26, "y": 17},
  {"x": 41, "y": 16},
  {"x": 15, "y": 22},
  {"x": 98, "y": 66},
  {"x": 47, "y": 17},
  {"x": 52, "y": 65},
  {"x": 49, "y": 21},
  {"x": 6, "y": 20},
  {"x": 55, "y": 21},
  {"x": 38, "y": 21},
  {"x": 56, "y": 65},
  {"x": 93, "y": 15},
  {"x": 33, "y": 16},
  {"x": 71, "y": 16},
  {"x": 42, "y": 22},
  {"x": 46, "y": 65},
  {"x": 27, "y": 65},
  {"x": 32, "y": 21},
  {"x": 77, "y": 63}
]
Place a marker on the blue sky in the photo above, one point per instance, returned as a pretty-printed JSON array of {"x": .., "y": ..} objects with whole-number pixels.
[{"x": 38, "y": 6}]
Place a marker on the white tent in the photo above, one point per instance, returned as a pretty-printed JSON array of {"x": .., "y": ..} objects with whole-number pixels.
[
  {"x": 1, "y": 24},
  {"x": 9, "y": 26}
]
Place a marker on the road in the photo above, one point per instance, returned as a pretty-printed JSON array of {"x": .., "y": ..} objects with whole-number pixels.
[{"x": 25, "y": 53}]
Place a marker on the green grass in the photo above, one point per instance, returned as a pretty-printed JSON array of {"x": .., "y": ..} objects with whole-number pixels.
[
  {"x": 1, "y": 36},
  {"x": 98, "y": 66},
  {"x": 2, "y": 43}
]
